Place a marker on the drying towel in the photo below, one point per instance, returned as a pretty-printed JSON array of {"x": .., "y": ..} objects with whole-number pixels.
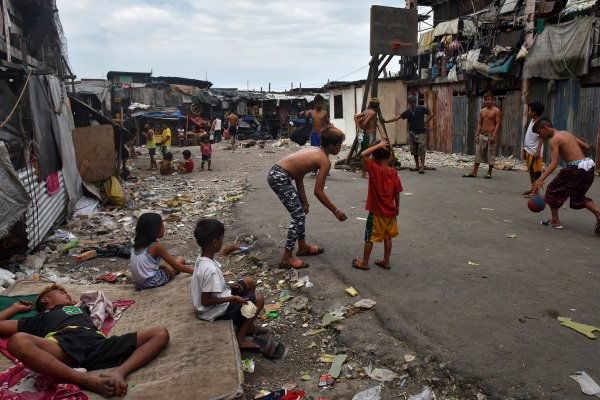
[{"x": 52, "y": 183}]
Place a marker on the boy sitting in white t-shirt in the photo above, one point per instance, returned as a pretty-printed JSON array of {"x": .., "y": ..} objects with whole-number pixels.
[{"x": 213, "y": 298}]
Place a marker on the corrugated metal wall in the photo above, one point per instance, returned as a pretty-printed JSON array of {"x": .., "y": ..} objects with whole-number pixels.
[
  {"x": 565, "y": 99},
  {"x": 43, "y": 211},
  {"x": 511, "y": 132},
  {"x": 475, "y": 105},
  {"x": 459, "y": 124},
  {"x": 588, "y": 114}
]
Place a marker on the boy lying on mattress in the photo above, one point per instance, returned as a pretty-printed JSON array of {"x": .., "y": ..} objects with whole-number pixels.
[{"x": 62, "y": 337}]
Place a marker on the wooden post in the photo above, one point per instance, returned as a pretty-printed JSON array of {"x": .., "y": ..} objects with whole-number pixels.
[{"x": 371, "y": 80}]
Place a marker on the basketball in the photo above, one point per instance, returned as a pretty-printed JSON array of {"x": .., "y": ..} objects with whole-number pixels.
[{"x": 536, "y": 203}]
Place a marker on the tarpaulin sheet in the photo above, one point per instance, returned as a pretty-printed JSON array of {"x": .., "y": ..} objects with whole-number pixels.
[
  {"x": 560, "y": 52},
  {"x": 46, "y": 144},
  {"x": 197, "y": 120},
  {"x": 13, "y": 196}
]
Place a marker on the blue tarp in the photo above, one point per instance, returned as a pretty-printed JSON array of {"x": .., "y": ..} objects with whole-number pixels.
[{"x": 176, "y": 114}]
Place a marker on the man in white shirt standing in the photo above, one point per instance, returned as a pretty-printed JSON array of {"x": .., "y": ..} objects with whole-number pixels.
[
  {"x": 533, "y": 147},
  {"x": 216, "y": 129}
]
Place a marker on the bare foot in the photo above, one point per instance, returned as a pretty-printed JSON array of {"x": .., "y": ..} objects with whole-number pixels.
[
  {"x": 383, "y": 264},
  {"x": 104, "y": 386},
  {"x": 119, "y": 384},
  {"x": 247, "y": 345}
]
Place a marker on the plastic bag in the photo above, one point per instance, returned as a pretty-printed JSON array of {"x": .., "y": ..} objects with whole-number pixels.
[
  {"x": 452, "y": 77},
  {"x": 301, "y": 134},
  {"x": 114, "y": 192}
]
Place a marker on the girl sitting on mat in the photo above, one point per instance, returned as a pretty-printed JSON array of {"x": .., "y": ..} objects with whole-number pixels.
[{"x": 146, "y": 255}]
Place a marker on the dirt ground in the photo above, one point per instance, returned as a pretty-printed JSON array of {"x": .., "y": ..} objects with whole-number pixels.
[{"x": 298, "y": 310}]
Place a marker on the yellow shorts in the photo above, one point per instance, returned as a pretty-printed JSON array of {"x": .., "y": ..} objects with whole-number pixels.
[{"x": 380, "y": 228}]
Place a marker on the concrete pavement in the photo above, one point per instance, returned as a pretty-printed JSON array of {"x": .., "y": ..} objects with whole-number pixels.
[{"x": 459, "y": 288}]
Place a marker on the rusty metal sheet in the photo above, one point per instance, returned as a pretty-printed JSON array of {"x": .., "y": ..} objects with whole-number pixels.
[
  {"x": 439, "y": 100},
  {"x": 512, "y": 131}
]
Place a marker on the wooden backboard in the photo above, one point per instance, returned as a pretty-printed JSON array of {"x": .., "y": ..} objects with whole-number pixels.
[{"x": 394, "y": 31}]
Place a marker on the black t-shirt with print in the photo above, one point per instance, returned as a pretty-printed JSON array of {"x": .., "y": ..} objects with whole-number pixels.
[
  {"x": 56, "y": 319},
  {"x": 416, "y": 118}
]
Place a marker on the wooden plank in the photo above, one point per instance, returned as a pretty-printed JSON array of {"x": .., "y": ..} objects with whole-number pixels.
[{"x": 95, "y": 152}]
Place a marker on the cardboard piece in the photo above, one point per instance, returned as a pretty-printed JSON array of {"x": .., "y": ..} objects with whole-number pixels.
[{"x": 95, "y": 152}]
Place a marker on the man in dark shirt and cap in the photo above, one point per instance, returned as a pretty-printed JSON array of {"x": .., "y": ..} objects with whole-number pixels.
[{"x": 417, "y": 130}]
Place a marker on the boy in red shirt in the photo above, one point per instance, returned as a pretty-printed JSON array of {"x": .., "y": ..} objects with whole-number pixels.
[
  {"x": 187, "y": 165},
  {"x": 383, "y": 202}
]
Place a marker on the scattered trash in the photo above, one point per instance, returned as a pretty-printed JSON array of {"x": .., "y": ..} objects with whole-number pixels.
[
  {"x": 365, "y": 304},
  {"x": 328, "y": 319},
  {"x": 511, "y": 235},
  {"x": 409, "y": 357},
  {"x": 316, "y": 331},
  {"x": 407, "y": 193},
  {"x": 326, "y": 381},
  {"x": 305, "y": 377},
  {"x": 272, "y": 307},
  {"x": 487, "y": 209},
  {"x": 88, "y": 255},
  {"x": 280, "y": 395},
  {"x": 581, "y": 328},
  {"x": 380, "y": 374},
  {"x": 303, "y": 281},
  {"x": 473, "y": 263},
  {"x": 326, "y": 358},
  {"x": 68, "y": 246},
  {"x": 248, "y": 365},
  {"x": 351, "y": 291},
  {"x": 336, "y": 365},
  {"x": 312, "y": 345},
  {"x": 361, "y": 218},
  {"x": 373, "y": 393},
  {"x": 7, "y": 278},
  {"x": 588, "y": 385},
  {"x": 426, "y": 394},
  {"x": 481, "y": 396}
]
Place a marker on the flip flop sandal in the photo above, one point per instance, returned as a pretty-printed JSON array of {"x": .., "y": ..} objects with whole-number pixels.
[
  {"x": 547, "y": 223},
  {"x": 290, "y": 266},
  {"x": 382, "y": 265},
  {"x": 357, "y": 266},
  {"x": 270, "y": 348},
  {"x": 258, "y": 330},
  {"x": 469, "y": 176},
  {"x": 320, "y": 250},
  {"x": 487, "y": 177}
]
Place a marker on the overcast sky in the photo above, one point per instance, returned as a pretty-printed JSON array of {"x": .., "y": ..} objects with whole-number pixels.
[{"x": 234, "y": 42}]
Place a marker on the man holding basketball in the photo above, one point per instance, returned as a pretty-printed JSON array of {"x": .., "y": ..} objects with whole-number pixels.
[{"x": 573, "y": 181}]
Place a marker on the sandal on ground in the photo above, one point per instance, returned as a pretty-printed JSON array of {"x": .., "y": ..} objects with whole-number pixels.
[
  {"x": 299, "y": 265},
  {"x": 469, "y": 176},
  {"x": 487, "y": 177},
  {"x": 413, "y": 169},
  {"x": 258, "y": 331},
  {"x": 356, "y": 264},
  {"x": 380, "y": 263},
  {"x": 270, "y": 348},
  {"x": 547, "y": 223},
  {"x": 311, "y": 251},
  {"x": 421, "y": 171}
]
